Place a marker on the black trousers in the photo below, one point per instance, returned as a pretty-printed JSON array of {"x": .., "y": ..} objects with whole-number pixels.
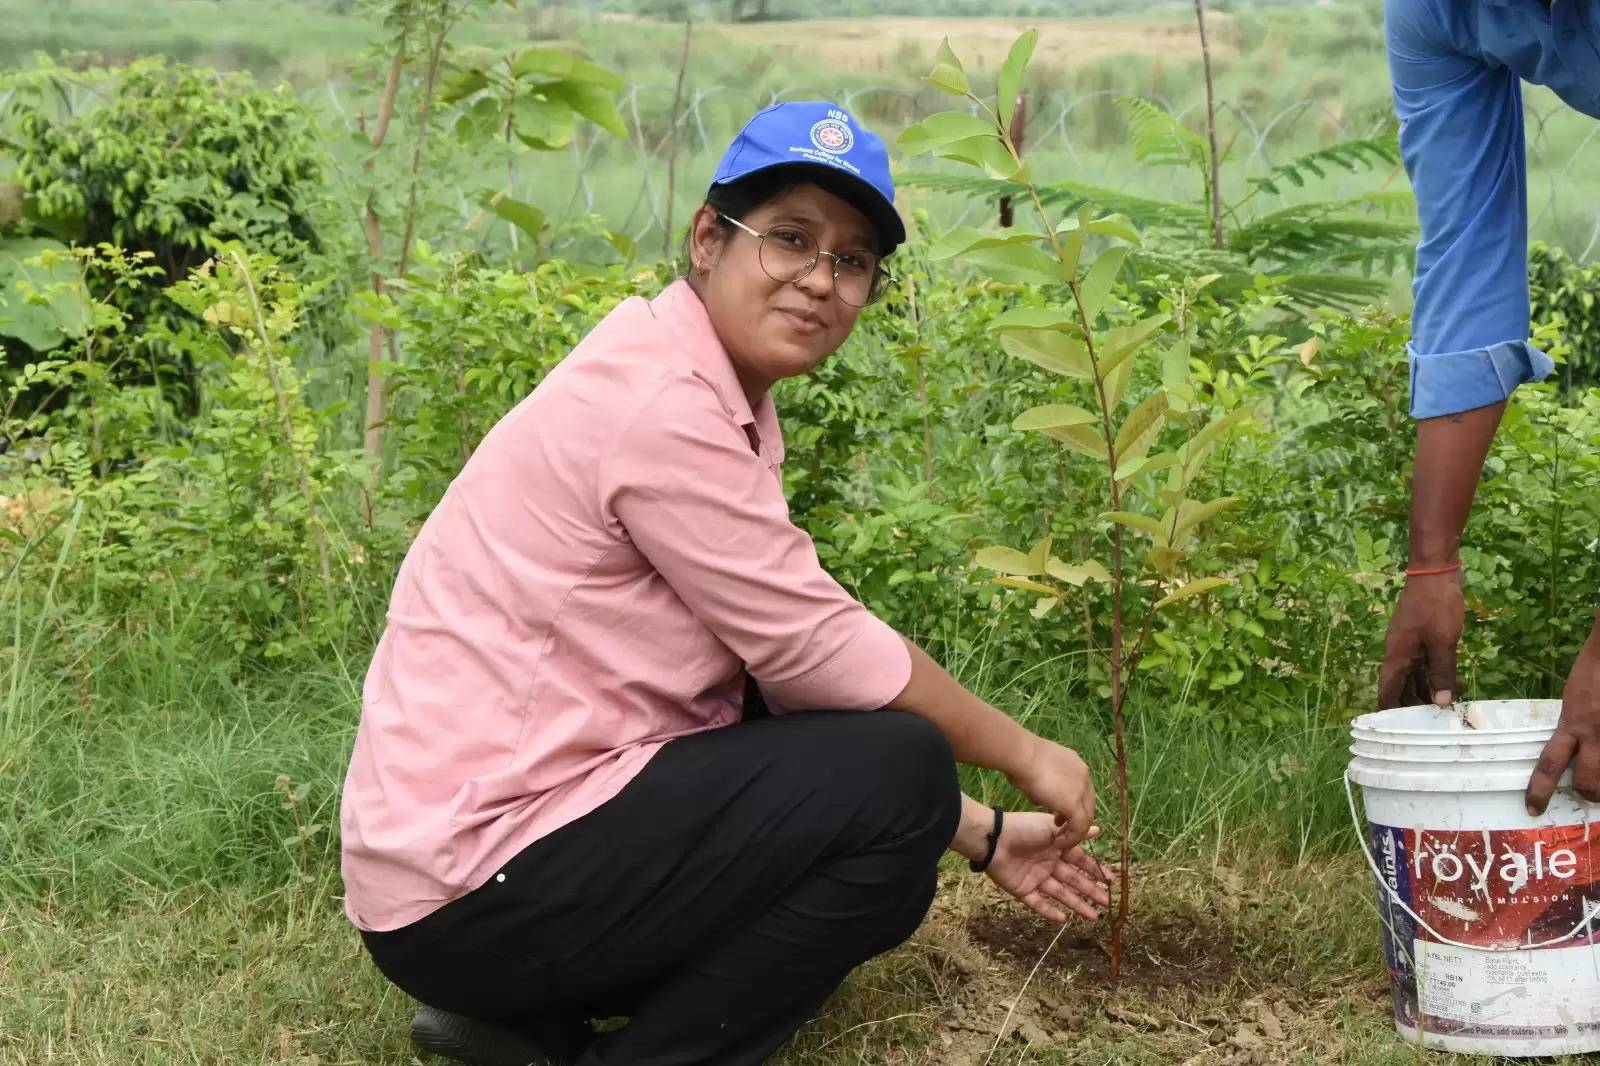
[{"x": 715, "y": 902}]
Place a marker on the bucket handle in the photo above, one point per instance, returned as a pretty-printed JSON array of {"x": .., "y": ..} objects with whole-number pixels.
[{"x": 1589, "y": 909}]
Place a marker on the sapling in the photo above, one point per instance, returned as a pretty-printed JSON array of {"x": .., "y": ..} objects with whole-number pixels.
[{"x": 1093, "y": 344}]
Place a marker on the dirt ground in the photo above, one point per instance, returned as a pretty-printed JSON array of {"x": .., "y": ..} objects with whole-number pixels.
[
  {"x": 982, "y": 43},
  {"x": 1208, "y": 976}
]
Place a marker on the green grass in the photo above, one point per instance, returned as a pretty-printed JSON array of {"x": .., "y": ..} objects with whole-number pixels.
[{"x": 158, "y": 909}]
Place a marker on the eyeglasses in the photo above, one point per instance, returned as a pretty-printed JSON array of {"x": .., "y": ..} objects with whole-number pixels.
[{"x": 789, "y": 254}]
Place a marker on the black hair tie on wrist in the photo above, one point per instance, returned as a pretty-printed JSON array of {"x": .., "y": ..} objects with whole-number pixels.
[{"x": 994, "y": 842}]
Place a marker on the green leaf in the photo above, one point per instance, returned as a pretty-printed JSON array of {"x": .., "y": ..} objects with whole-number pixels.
[
  {"x": 963, "y": 239},
  {"x": 1075, "y": 574},
  {"x": 1024, "y": 583},
  {"x": 1077, "y": 232},
  {"x": 593, "y": 74},
  {"x": 1053, "y": 415},
  {"x": 1190, "y": 518},
  {"x": 1142, "y": 522},
  {"x": 1175, "y": 363},
  {"x": 1081, "y": 439},
  {"x": 594, "y": 102},
  {"x": 947, "y": 56},
  {"x": 64, "y": 314},
  {"x": 1035, "y": 318},
  {"x": 461, "y": 84},
  {"x": 1096, "y": 284},
  {"x": 1193, "y": 588},
  {"x": 524, "y": 216},
  {"x": 1039, "y": 554},
  {"x": 948, "y": 79},
  {"x": 542, "y": 124},
  {"x": 1045, "y": 605},
  {"x": 941, "y": 129},
  {"x": 1146, "y": 464},
  {"x": 543, "y": 62},
  {"x": 1141, "y": 427},
  {"x": 1116, "y": 226},
  {"x": 1199, "y": 446},
  {"x": 1010, "y": 79},
  {"x": 986, "y": 151},
  {"x": 1017, "y": 262},
  {"x": 1116, "y": 384},
  {"x": 1123, "y": 342},
  {"x": 1164, "y": 559},
  {"x": 1006, "y": 561},
  {"x": 1053, "y": 351}
]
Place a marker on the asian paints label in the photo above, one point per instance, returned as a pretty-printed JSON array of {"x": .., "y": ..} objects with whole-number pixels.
[{"x": 1531, "y": 888}]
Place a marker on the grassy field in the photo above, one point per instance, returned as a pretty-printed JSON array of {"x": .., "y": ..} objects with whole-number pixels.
[
  {"x": 161, "y": 905},
  {"x": 172, "y": 894}
]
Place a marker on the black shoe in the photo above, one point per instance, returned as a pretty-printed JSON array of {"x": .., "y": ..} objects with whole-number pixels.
[{"x": 478, "y": 1043}]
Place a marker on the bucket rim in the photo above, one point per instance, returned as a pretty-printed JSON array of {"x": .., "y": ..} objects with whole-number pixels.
[{"x": 1365, "y": 724}]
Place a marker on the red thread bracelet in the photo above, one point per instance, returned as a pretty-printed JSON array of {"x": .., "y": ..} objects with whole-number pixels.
[{"x": 1452, "y": 568}]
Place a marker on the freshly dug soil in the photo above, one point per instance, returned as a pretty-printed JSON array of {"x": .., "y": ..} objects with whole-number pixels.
[{"x": 1193, "y": 953}]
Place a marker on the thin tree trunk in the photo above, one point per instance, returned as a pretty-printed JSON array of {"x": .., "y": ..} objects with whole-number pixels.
[
  {"x": 672, "y": 149},
  {"x": 435, "y": 57},
  {"x": 1211, "y": 129},
  {"x": 922, "y": 383},
  {"x": 372, "y": 435}
]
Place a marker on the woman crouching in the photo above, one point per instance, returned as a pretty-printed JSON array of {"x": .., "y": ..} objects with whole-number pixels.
[{"x": 626, "y": 749}]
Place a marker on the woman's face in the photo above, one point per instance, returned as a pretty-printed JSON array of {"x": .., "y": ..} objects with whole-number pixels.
[{"x": 777, "y": 329}]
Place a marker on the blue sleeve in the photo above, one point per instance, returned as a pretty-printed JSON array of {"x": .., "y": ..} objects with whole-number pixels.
[{"x": 1461, "y": 137}]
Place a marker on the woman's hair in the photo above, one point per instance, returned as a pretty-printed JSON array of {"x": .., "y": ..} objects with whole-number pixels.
[{"x": 736, "y": 199}]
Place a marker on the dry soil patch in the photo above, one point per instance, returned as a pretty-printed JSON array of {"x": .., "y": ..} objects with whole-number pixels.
[{"x": 982, "y": 43}]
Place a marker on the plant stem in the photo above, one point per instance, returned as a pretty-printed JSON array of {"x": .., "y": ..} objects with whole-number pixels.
[
  {"x": 672, "y": 149},
  {"x": 922, "y": 382},
  {"x": 435, "y": 57},
  {"x": 1211, "y": 129},
  {"x": 372, "y": 427},
  {"x": 1114, "y": 665}
]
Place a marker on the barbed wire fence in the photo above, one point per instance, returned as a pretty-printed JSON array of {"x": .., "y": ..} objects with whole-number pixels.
[{"x": 624, "y": 180}]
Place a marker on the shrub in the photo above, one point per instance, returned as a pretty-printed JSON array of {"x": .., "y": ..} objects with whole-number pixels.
[{"x": 174, "y": 156}]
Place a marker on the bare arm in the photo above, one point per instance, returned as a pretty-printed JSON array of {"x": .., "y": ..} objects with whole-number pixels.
[
  {"x": 982, "y": 735},
  {"x": 1450, "y": 456},
  {"x": 1419, "y": 660}
]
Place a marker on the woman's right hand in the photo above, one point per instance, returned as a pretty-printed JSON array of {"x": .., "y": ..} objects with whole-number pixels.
[{"x": 1057, "y": 779}]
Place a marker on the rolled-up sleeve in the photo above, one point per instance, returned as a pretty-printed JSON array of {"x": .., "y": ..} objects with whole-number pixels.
[
  {"x": 708, "y": 514},
  {"x": 1461, "y": 135}
]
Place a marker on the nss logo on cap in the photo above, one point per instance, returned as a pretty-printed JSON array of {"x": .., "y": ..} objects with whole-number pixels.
[{"x": 831, "y": 135}]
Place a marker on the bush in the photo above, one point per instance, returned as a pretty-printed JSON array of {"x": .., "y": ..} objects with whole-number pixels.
[
  {"x": 1566, "y": 296},
  {"x": 173, "y": 157}
]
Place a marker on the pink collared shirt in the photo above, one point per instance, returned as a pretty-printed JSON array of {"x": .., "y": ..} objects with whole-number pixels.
[{"x": 593, "y": 584}]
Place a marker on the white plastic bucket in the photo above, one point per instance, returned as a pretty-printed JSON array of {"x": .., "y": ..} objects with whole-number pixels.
[{"x": 1490, "y": 917}]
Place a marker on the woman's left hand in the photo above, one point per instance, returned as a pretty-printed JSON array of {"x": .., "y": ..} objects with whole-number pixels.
[{"x": 1032, "y": 864}]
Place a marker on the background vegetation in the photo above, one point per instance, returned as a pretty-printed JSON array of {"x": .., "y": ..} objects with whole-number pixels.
[{"x": 199, "y": 271}]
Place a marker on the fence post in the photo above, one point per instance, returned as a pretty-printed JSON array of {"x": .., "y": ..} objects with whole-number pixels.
[{"x": 1019, "y": 123}]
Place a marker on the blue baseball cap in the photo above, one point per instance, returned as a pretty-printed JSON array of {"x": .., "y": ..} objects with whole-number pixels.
[{"x": 823, "y": 138}]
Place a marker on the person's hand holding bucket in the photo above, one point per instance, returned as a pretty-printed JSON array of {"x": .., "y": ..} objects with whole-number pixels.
[
  {"x": 1419, "y": 658},
  {"x": 1576, "y": 741}
]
